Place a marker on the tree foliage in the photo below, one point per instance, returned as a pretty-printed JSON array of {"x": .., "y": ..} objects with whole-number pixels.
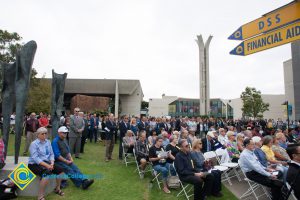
[
  {"x": 9, "y": 45},
  {"x": 253, "y": 105},
  {"x": 39, "y": 98},
  {"x": 144, "y": 104}
]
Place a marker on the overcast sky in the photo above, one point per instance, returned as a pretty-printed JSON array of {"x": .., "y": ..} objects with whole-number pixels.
[{"x": 149, "y": 40}]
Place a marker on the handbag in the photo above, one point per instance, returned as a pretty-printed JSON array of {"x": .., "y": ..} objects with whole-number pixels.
[
  {"x": 173, "y": 182},
  {"x": 8, "y": 190}
]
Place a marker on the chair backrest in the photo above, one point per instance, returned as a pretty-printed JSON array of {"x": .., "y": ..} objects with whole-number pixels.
[{"x": 209, "y": 155}]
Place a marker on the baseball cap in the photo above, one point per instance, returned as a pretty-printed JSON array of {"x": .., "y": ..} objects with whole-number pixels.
[
  {"x": 63, "y": 129},
  {"x": 211, "y": 134}
]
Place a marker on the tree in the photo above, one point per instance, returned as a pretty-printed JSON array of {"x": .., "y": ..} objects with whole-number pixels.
[
  {"x": 39, "y": 98},
  {"x": 9, "y": 45},
  {"x": 144, "y": 104},
  {"x": 253, "y": 105}
]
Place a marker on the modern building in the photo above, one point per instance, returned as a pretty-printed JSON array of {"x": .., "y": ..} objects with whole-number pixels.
[
  {"x": 291, "y": 70},
  {"x": 276, "y": 109},
  {"x": 176, "y": 106},
  {"x": 158, "y": 107},
  {"x": 126, "y": 95},
  {"x": 224, "y": 108}
]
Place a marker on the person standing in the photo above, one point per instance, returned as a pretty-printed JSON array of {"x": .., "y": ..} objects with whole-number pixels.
[
  {"x": 124, "y": 126},
  {"x": 76, "y": 128},
  {"x": 32, "y": 124},
  {"x": 94, "y": 122},
  {"x": 43, "y": 120},
  {"x": 84, "y": 132},
  {"x": 110, "y": 131}
]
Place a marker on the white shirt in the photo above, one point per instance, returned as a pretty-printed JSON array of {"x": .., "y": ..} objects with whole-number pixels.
[
  {"x": 249, "y": 162},
  {"x": 222, "y": 139}
]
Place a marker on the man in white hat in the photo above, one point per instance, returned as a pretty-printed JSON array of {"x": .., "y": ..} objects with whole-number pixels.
[
  {"x": 207, "y": 142},
  {"x": 63, "y": 159}
]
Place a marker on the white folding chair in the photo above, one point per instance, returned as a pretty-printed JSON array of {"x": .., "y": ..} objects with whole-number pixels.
[
  {"x": 140, "y": 172},
  {"x": 253, "y": 187},
  {"x": 212, "y": 155},
  {"x": 185, "y": 188},
  {"x": 127, "y": 156},
  {"x": 232, "y": 167}
]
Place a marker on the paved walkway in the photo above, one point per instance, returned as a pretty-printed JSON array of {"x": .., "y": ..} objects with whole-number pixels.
[{"x": 238, "y": 188}]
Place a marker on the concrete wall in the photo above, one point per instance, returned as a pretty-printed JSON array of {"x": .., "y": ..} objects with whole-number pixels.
[
  {"x": 131, "y": 104},
  {"x": 296, "y": 74},
  {"x": 275, "y": 109},
  {"x": 160, "y": 107},
  {"x": 289, "y": 85}
]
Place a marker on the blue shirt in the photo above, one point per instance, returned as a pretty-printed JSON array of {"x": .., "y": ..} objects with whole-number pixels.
[
  {"x": 40, "y": 151},
  {"x": 249, "y": 162},
  {"x": 261, "y": 156},
  {"x": 165, "y": 142},
  {"x": 55, "y": 147}
]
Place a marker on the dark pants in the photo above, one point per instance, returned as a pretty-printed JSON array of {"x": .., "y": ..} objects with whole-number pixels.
[
  {"x": 93, "y": 134},
  {"x": 83, "y": 138},
  {"x": 217, "y": 186},
  {"x": 199, "y": 191},
  {"x": 109, "y": 147},
  {"x": 120, "y": 148},
  {"x": 275, "y": 185}
]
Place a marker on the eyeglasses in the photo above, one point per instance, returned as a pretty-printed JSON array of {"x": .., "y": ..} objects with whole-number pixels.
[
  {"x": 76, "y": 110},
  {"x": 186, "y": 146}
]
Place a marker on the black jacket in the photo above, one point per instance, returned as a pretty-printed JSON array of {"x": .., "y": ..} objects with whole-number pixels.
[
  {"x": 204, "y": 145},
  {"x": 123, "y": 128},
  {"x": 183, "y": 165},
  {"x": 293, "y": 174}
]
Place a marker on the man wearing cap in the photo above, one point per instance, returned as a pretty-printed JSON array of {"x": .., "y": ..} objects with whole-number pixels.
[
  {"x": 208, "y": 142},
  {"x": 64, "y": 159}
]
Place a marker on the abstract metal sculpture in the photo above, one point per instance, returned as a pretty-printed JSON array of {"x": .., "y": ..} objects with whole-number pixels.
[
  {"x": 57, "y": 101},
  {"x": 16, "y": 81}
]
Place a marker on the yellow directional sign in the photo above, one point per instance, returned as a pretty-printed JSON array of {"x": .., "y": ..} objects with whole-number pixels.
[
  {"x": 266, "y": 41},
  {"x": 280, "y": 17}
]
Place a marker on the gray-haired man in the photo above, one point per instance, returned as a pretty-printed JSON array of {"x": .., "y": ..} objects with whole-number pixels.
[{"x": 76, "y": 128}]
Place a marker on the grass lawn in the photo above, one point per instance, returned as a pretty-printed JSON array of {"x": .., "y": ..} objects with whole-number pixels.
[{"x": 118, "y": 182}]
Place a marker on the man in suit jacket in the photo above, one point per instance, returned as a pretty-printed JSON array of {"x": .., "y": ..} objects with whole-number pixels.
[
  {"x": 94, "y": 123},
  {"x": 110, "y": 131},
  {"x": 124, "y": 126},
  {"x": 76, "y": 127},
  {"x": 143, "y": 125},
  {"x": 207, "y": 142},
  {"x": 293, "y": 174}
]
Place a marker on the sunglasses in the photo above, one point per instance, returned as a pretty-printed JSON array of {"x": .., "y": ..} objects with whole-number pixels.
[{"x": 76, "y": 110}]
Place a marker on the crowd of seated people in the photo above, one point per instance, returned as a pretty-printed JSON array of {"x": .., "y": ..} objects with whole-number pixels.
[
  {"x": 186, "y": 139},
  {"x": 185, "y": 149}
]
